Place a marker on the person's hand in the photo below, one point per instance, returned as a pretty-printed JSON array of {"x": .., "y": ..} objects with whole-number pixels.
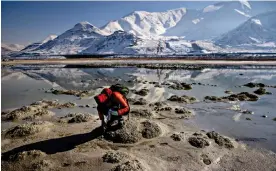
[{"x": 113, "y": 112}]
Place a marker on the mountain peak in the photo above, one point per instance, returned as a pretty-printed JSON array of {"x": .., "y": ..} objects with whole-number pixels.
[
  {"x": 50, "y": 37},
  {"x": 84, "y": 25}
]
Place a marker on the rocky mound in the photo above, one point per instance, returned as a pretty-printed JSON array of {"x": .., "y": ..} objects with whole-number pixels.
[
  {"x": 77, "y": 93},
  {"x": 198, "y": 142},
  {"x": 158, "y": 104},
  {"x": 261, "y": 91},
  {"x": 78, "y": 118},
  {"x": 27, "y": 129},
  {"x": 133, "y": 165},
  {"x": 243, "y": 96},
  {"x": 182, "y": 99},
  {"x": 167, "y": 108},
  {"x": 42, "y": 165},
  {"x": 150, "y": 129},
  {"x": 177, "y": 137},
  {"x": 182, "y": 111},
  {"x": 141, "y": 113},
  {"x": 129, "y": 133},
  {"x": 140, "y": 101},
  {"x": 252, "y": 85},
  {"x": 220, "y": 140},
  {"x": 114, "y": 157},
  {"x": 180, "y": 86},
  {"x": 142, "y": 92},
  {"x": 27, "y": 154},
  {"x": 35, "y": 110},
  {"x": 27, "y": 112}
]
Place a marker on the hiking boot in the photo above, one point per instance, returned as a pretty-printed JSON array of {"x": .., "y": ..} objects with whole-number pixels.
[{"x": 121, "y": 123}]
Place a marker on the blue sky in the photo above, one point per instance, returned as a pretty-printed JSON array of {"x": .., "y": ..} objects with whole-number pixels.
[{"x": 28, "y": 22}]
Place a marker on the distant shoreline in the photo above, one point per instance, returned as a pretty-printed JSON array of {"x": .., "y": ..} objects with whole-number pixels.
[{"x": 137, "y": 61}]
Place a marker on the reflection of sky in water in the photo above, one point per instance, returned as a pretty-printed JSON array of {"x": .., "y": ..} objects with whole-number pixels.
[{"x": 18, "y": 91}]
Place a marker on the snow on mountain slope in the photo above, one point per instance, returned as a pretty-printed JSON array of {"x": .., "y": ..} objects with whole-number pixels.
[
  {"x": 143, "y": 23},
  {"x": 257, "y": 30},
  {"x": 7, "y": 49},
  {"x": 121, "y": 42},
  {"x": 37, "y": 44},
  {"x": 118, "y": 42},
  {"x": 12, "y": 47},
  {"x": 215, "y": 20},
  {"x": 80, "y": 37}
]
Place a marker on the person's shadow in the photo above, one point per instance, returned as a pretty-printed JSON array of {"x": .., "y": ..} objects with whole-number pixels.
[{"x": 56, "y": 145}]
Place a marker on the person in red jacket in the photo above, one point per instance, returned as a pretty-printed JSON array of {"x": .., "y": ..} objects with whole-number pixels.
[{"x": 114, "y": 107}]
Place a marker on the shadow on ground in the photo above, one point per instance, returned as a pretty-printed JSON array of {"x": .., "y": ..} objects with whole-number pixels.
[{"x": 56, "y": 145}]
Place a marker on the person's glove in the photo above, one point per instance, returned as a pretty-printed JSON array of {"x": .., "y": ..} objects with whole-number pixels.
[{"x": 113, "y": 112}]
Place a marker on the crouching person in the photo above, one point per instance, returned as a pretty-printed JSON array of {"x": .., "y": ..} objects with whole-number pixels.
[{"x": 112, "y": 105}]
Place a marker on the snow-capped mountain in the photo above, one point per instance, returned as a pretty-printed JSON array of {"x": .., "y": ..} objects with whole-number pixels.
[
  {"x": 37, "y": 44},
  {"x": 7, "y": 49},
  {"x": 74, "y": 40},
  {"x": 12, "y": 47},
  {"x": 143, "y": 23},
  {"x": 177, "y": 31},
  {"x": 260, "y": 29},
  {"x": 212, "y": 20},
  {"x": 118, "y": 42}
]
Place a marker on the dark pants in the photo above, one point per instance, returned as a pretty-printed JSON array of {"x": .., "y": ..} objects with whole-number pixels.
[{"x": 115, "y": 118}]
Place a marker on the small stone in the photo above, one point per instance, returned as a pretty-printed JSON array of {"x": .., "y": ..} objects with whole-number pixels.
[
  {"x": 264, "y": 116},
  {"x": 176, "y": 137},
  {"x": 248, "y": 119}
]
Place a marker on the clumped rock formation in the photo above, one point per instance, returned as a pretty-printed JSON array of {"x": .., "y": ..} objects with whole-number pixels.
[
  {"x": 180, "y": 86},
  {"x": 27, "y": 129},
  {"x": 243, "y": 96},
  {"x": 114, "y": 157},
  {"x": 150, "y": 130},
  {"x": 142, "y": 92},
  {"x": 220, "y": 140},
  {"x": 198, "y": 142},
  {"x": 182, "y": 99}
]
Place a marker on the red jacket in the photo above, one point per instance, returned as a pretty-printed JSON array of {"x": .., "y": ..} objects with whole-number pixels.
[{"x": 116, "y": 99}]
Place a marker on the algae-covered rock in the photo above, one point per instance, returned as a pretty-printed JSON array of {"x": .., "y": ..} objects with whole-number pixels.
[
  {"x": 182, "y": 99},
  {"x": 80, "y": 117},
  {"x": 198, "y": 142},
  {"x": 140, "y": 101},
  {"x": 114, "y": 157},
  {"x": 141, "y": 113},
  {"x": 181, "y": 86},
  {"x": 150, "y": 129},
  {"x": 129, "y": 133},
  {"x": 42, "y": 165},
  {"x": 27, "y": 129},
  {"x": 27, "y": 154},
  {"x": 142, "y": 92},
  {"x": 176, "y": 137},
  {"x": 220, "y": 140},
  {"x": 133, "y": 165},
  {"x": 261, "y": 91}
]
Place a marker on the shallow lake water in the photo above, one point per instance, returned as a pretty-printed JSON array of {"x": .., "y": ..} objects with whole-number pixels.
[{"x": 22, "y": 85}]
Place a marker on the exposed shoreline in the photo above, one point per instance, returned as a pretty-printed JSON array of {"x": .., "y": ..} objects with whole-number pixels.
[
  {"x": 73, "y": 142},
  {"x": 139, "y": 61}
]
